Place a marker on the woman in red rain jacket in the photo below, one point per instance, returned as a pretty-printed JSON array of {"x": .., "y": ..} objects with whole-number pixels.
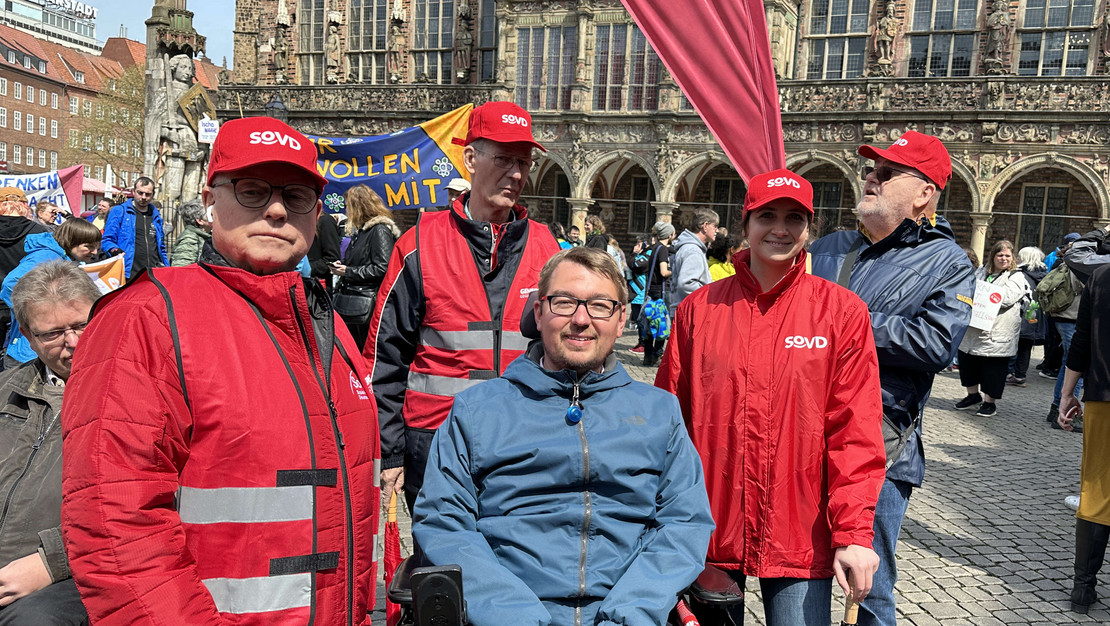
[{"x": 776, "y": 373}]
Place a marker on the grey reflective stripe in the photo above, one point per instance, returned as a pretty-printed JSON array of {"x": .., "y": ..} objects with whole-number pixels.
[
  {"x": 438, "y": 385},
  {"x": 457, "y": 339},
  {"x": 260, "y": 595},
  {"x": 514, "y": 341},
  {"x": 244, "y": 504}
]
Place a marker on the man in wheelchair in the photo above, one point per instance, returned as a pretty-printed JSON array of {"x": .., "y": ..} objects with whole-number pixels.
[{"x": 567, "y": 492}]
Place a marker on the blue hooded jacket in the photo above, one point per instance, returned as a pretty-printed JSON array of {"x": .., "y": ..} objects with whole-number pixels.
[
  {"x": 119, "y": 232},
  {"x": 39, "y": 248},
  {"x": 544, "y": 515},
  {"x": 918, "y": 285}
]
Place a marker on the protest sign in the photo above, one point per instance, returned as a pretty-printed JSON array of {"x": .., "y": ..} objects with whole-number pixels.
[
  {"x": 62, "y": 187},
  {"x": 985, "y": 307}
]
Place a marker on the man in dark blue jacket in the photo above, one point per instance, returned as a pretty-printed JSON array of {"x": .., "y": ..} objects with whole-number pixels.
[
  {"x": 918, "y": 285},
  {"x": 134, "y": 229},
  {"x": 568, "y": 493}
]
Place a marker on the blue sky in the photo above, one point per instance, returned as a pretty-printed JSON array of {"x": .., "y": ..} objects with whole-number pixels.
[{"x": 215, "y": 19}]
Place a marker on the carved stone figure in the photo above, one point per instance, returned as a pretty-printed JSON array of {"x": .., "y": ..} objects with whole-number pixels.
[
  {"x": 886, "y": 29},
  {"x": 398, "y": 13},
  {"x": 393, "y": 56},
  {"x": 998, "y": 37},
  {"x": 281, "y": 53},
  {"x": 331, "y": 52},
  {"x": 179, "y": 158},
  {"x": 464, "y": 41}
]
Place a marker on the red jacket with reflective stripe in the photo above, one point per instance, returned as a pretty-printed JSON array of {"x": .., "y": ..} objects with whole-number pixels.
[
  {"x": 235, "y": 484},
  {"x": 780, "y": 391},
  {"x": 434, "y": 332}
]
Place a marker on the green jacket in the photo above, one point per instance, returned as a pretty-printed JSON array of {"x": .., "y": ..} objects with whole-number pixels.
[
  {"x": 31, "y": 468},
  {"x": 187, "y": 249}
]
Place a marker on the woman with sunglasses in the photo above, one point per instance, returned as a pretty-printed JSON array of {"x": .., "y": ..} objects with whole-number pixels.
[{"x": 778, "y": 380}]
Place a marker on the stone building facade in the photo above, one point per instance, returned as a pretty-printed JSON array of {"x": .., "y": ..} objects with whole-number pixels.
[{"x": 1017, "y": 89}]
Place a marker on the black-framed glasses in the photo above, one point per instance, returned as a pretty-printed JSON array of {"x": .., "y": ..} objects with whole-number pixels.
[
  {"x": 254, "y": 193},
  {"x": 507, "y": 162},
  {"x": 596, "y": 308},
  {"x": 883, "y": 173},
  {"x": 52, "y": 336}
]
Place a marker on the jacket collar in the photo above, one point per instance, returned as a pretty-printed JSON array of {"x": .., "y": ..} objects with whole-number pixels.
[
  {"x": 28, "y": 382},
  {"x": 527, "y": 372},
  {"x": 909, "y": 233},
  {"x": 741, "y": 261}
]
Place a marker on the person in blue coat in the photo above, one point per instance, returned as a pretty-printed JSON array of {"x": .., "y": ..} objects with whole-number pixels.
[
  {"x": 134, "y": 229},
  {"x": 567, "y": 492},
  {"x": 75, "y": 240}
]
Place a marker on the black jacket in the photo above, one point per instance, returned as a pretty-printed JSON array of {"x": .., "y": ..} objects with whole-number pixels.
[
  {"x": 1089, "y": 352},
  {"x": 325, "y": 248},
  {"x": 368, "y": 256},
  {"x": 13, "y": 230}
]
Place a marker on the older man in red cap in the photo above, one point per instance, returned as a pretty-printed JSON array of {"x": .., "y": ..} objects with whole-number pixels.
[
  {"x": 448, "y": 313},
  {"x": 918, "y": 284},
  {"x": 220, "y": 453}
]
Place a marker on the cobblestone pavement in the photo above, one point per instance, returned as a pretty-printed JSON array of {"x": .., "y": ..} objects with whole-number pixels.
[{"x": 987, "y": 538}]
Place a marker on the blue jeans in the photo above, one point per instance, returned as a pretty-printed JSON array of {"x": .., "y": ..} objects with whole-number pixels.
[
  {"x": 1067, "y": 331},
  {"x": 878, "y": 608},
  {"x": 790, "y": 601}
]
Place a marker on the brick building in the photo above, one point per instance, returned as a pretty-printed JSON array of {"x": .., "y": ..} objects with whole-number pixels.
[{"x": 1017, "y": 89}]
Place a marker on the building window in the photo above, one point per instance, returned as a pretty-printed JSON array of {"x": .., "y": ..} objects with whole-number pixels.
[
  {"x": 11, "y": 59},
  {"x": 42, "y": 157},
  {"x": 17, "y": 154},
  {"x": 86, "y": 109},
  {"x": 30, "y": 94},
  {"x": 947, "y": 48},
  {"x": 728, "y": 199},
  {"x": 1041, "y": 222},
  {"x": 830, "y": 215},
  {"x": 640, "y": 213},
  {"x": 99, "y": 112},
  {"x": 53, "y": 129},
  {"x": 72, "y": 138},
  {"x": 53, "y": 160},
  {"x": 79, "y": 77},
  {"x": 30, "y": 124},
  {"x": 30, "y": 153},
  {"x": 3, "y": 117},
  {"x": 26, "y": 61},
  {"x": 42, "y": 67},
  {"x": 100, "y": 143},
  {"x": 562, "y": 192},
  {"x": 42, "y": 126},
  {"x": 17, "y": 121},
  {"x": 99, "y": 172},
  {"x": 18, "y": 90},
  {"x": 73, "y": 105},
  {"x": 1055, "y": 38},
  {"x": 545, "y": 67},
  {"x": 310, "y": 16},
  {"x": 86, "y": 142},
  {"x": 53, "y": 101},
  {"x": 487, "y": 41},
  {"x": 628, "y": 70},
  {"x": 3, "y": 86},
  {"x": 838, "y": 39},
  {"x": 3, "y": 151},
  {"x": 431, "y": 42},
  {"x": 111, "y": 145},
  {"x": 42, "y": 97},
  {"x": 367, "y": 34}
]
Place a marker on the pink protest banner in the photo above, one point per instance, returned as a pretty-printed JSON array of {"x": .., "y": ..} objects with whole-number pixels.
[{"x": 719, "y": 53}]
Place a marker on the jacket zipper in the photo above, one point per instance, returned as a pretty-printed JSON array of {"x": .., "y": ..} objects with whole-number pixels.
[
  {"x": 341, "y": 448},
  {"x": 587, "y": 504},
  {"x": 43, "y": 431}
]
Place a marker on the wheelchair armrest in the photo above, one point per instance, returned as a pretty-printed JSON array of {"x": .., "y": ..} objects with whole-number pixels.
[
  {"x": 715, "y": 586},
  {"x": 400, "y": 588}
]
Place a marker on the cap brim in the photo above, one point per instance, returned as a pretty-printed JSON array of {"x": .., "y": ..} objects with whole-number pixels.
[
  {"x": 231, "y": 167},
  {"x": 766, "y": 201},
  {"x": 873, "y": 153}
]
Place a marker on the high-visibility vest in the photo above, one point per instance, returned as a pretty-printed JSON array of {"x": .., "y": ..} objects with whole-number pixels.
[{"x": 462, "y": 342}]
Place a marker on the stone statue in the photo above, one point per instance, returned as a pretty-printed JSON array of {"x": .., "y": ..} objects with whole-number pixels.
[
  {"x": 281, "y": 48},
  {"x": 393, "y": 56},
  {"x": 180, "y": 159},
  {"x": 464, "y": 41},
  {"x": 885, "y": 31},
  {"x": 331, "y": 52},
  {"x": 998, "y": 32}
]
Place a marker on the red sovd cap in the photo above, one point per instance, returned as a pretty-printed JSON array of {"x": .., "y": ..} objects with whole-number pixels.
[
  {"x": 922, "y": 152},
  {"x": 778, "y": 185},
  {"x": 261, "y": 140},
  {"x": 504, "y": 122}
]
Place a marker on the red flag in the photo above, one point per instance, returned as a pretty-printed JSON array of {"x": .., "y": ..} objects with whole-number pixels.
[
  {"x": 719, "y": 52},
  {"x": 392, "y": 557}
]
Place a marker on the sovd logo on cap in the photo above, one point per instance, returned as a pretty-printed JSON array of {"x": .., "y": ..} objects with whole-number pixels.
[
  {"x": 270, "y": 137},
  {"x": 902, "y": 142},
  {"x": 783, "y": 181},
  {"x": 514, "y": 119}
]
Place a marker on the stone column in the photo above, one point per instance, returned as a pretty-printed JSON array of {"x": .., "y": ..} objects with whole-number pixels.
[
  {"x": 579, "y": 208},
  {"x": 979, "y": 224},
  {"x": 664, "y": 210}
]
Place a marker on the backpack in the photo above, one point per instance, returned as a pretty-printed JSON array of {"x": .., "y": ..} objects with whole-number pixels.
[{"x": 1055, "y": 292}]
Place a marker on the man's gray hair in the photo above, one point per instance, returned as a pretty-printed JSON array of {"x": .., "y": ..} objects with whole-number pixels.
[
  {"x": 52, "y": 283},
  {"x": 192, "y": 211}
]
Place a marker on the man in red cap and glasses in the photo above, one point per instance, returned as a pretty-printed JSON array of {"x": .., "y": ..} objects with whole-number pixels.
[
  {"x": 449, "y": 309},
  {"x": 220, "y": 453},
  {"x": 918, "y": 284}
]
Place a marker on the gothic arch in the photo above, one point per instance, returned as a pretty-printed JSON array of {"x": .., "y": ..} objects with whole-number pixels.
[
  {"x": 1086, "y": 176},
  {"x": 964, "y": 173},
  {"x": 585, "y": 185},
  {"x": 805, "y": 161},
  {"x": 547, "y": 161},
  {"x": 670, "y": 188}
]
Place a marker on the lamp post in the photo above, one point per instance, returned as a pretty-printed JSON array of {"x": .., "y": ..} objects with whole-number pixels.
[{"x": 276, "y": 109}]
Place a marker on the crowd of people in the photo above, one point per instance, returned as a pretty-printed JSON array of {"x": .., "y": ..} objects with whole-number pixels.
[{"x": 228, "y": 468}]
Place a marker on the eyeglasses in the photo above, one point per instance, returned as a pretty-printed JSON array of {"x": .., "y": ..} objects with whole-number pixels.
[
  {"x": 883, "y": 173},
  {"x": 596, "y": 308},
  {"x": 52, "y": 336},
  {"x": 506, "y": 162},
  {"x": 254, "y": 193}
]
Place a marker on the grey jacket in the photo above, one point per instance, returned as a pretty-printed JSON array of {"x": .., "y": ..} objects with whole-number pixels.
[
  {"x": 689, "y": 267},
  {"x": 31, "y": 468}
]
